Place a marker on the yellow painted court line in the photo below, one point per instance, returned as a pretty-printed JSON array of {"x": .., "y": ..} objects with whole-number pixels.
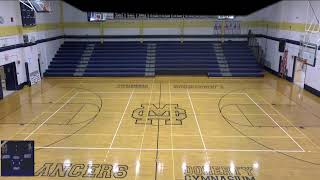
[
  {"x": 169, "y": 149},
  {"x": 129, "y": 100},
  {"x": 145, "y": 127},
  {"x": 50, "y": 117},
  {"x": 317, "y": 146},
  {"x": 275, "y": 122}
]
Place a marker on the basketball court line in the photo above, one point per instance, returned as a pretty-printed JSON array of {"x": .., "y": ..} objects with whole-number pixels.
[
  {"x": 50, "y": 117},
  {"x": 278, "y": 112},
  {"x": 172, "y": 154},
  {"x": 144, "y": 128},
  {"x": 178, "y": 92},
  {"x": 274, "y": 121},
  {"x": 218, "y": 150},
  {"x": 85, "y": 112},
  {"x": 195, "y": 116},
  {"x": 170, "y": 149},
  {"x": 39, "y": 115},
  {"x": 177, "y": 135},
  {"x": 99, "y": 98},
  {"x": 129, "y": 100},
  {"x": 87, "y": 81},
  {"x": 195, "y": 98},
  {"x": 110, "y": 112},
  {"x": 98, "y": 134}
]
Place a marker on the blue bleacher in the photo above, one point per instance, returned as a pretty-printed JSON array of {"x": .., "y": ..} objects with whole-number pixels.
[{"x": 214, "y": 59}]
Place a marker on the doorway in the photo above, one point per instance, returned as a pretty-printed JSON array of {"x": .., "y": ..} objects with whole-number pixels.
[{"x": 8, "y": 76}]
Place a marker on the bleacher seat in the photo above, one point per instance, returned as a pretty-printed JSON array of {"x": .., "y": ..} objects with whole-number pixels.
[{"x": 213, "y": 59}]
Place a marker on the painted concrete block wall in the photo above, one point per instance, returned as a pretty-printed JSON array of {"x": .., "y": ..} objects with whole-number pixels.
[
  {"x": 11, "y": 33},
  {"x": 8, "y": 10},
  {"x": 285, "y": 19},
  {"x": 76, "y": 23},
  {"x": 122, "y": 31}
]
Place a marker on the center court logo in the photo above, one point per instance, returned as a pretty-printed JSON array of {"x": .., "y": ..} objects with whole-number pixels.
[{"x": 167, "y": 114}]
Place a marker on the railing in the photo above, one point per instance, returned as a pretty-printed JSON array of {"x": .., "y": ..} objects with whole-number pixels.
[{"x": 256, "y": 49}]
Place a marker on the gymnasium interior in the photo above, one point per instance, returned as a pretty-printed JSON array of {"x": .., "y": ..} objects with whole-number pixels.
[{"x": 168, "y": 92}]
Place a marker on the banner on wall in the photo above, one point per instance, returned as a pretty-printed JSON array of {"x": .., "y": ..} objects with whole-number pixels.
[
  {"x": 230, "y": 27},
  {"x": 217, "y": 27},
  {"x": 157, "y": 16}
]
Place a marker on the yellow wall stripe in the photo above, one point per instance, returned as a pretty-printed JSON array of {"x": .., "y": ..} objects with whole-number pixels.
[
  {"x": 146, "y": 24},
  {"x": 16, "y": 30},
  {"x": 8, "y": 30},
  {"x": 298, "y": 27},
  {"x": 19, "y": 30},
  {"x": 81, "y": 25}
]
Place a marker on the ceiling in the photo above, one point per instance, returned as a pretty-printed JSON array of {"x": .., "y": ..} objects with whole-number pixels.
[{"x": 187, "y": 7}]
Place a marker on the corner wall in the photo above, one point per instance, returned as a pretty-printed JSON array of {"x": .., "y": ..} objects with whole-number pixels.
[
  {"x": 285, "y": 19},
  {"x": 11, "y": 33}
]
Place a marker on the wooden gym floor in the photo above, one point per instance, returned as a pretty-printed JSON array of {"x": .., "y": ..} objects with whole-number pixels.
[{"x": 167, "y": 128}]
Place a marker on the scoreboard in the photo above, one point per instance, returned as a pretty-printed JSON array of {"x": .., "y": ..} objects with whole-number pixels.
[
  {"x": 99, "y": 16},
  {"x": 17, "y": 158},
  {"x": 27, "y": 16}
]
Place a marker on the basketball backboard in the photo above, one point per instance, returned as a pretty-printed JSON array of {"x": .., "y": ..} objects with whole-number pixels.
[
  {"x": 310, "y": 39},
  {"x": 308, "y": 53},
  {"x": 37, "y": 5}
]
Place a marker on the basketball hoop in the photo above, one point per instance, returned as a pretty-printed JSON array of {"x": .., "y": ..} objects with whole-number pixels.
[
  {"x": 303, "y": 61},
  {"x": 309, "y": 40},
  {"x": 37, "y": 5}
]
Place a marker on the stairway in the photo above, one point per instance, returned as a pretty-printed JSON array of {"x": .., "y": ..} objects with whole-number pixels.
[{"x": 151, "y": 59}]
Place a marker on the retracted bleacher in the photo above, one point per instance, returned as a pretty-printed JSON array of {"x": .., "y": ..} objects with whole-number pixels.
[
  {"x": 215, "y": 59},
  {"x": 95, "y": 59}
]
